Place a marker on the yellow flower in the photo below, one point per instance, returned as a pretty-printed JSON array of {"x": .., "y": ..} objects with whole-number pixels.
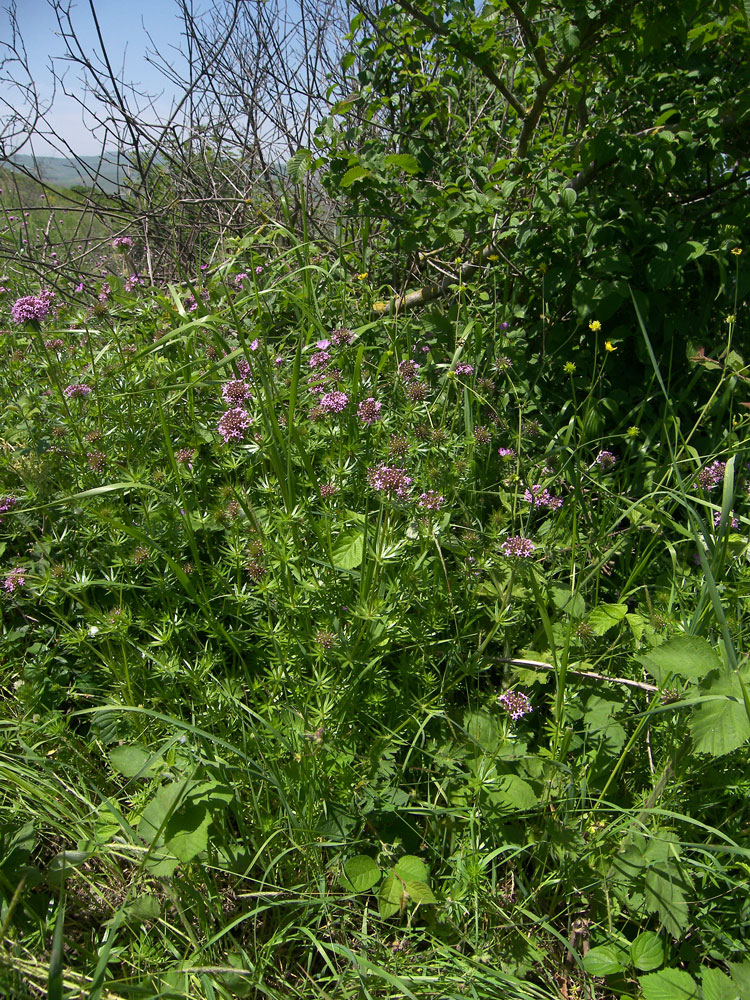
[
  {"x": 569, "y": 367},
  {"x": 609, "y": 346},
  {"x": 736, "y": 251},
  {"x": 595, "y": 325},
  {"x": 361, "y": 277},
  {"x": 633, "y": 432}
]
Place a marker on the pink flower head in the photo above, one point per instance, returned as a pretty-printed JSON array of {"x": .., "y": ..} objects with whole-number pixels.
[
  {"x": 234, "y": 423},
  {"x": 538, "y": 496},
  {"x": 606, "y": 460},
  {"x": 431, "y": 500},
  {"x": 408, "y": 370},
  {"x": 235, "y": 392},
  {"x": 518, "y": 547},
  {"x": 81, "y": 390},
  {"x": 334, "y": 402},
  {"x": 323, "y": 344},
  {"x": 319, "y": 359},
  {"x": 389, "y": 480},
  {"x": 15, "y": 580},
  {"x": 515, "y": 703},
  {"x": 506, "y": 452},
  {"x": 122, "y": 243},
  {"x": 254, "y": 346},
  {"x": 368, "y": 411},
  {"x": 464, "y": 369},
  {"x": 31, "y": 308}
]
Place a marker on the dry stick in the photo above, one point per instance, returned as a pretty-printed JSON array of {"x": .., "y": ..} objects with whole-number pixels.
[{"x": 538, "y": 665}]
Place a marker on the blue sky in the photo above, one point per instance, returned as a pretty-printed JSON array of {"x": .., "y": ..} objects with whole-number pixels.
[{"x": 122, "y": 24}]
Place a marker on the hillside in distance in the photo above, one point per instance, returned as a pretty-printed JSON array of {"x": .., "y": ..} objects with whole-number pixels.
[{"x": 60, "y": 171}]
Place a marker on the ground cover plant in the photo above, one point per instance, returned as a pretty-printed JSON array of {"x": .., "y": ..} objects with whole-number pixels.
[
  {"x": 374, "y": 582},
  {"x": 364, "y": 656}
]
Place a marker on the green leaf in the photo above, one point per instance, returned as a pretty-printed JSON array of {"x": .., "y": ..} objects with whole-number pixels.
[
  {"x": 353, "y": 174},
  {"x": 419, "y": 892},
  {"x": 403, "y": 161},
  {"x": 360, "y": 874},
  {"x": 483, "y": 730},
  {"x": 687, "y": 656},
  {"x": 186, "y": 832},
  {"x": 390, "y": 897},
  {"x": 568, "y": 197},
  {"x": 605, "y": 960},
  {"x": 132, "y": 761},
  {"x": 605, "y": 616},
  {"x": 299, "y": 164},
  {"x": 667, "y": 883},
  {"x": 145, "y": 907},
  {"x": 741, "y": 978},
  {"x": 512, "y": 794},
  {"x": 718, "y": 986},
  {"x": 647, "y": 951},
  {"x": 412, "y": 869},
  {"x": 571, "y": 603},
  {"x": 669, "y": 984},
  {"x": 347, "y": 552}
]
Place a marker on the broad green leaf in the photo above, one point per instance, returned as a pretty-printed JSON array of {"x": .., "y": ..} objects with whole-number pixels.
[
  {"x": 688, "y": 656},
  {"x": 605, "y": 616},
  {"x": 663, "y": 893},
  {"x": 419, "y": 892},
  {"x": 483, "y": 730},
  {"x": 512, "y": 794},
  {"x": 647, "y": 951},
  {"x": 145, "y": 907},
  {"x": 354, "y": 174},
  {"x": 360, "y": 874},
  {"x": 403, "y": 161},
  {"x": 132, "y": 761},
  {"x": 604, "y": 960},
  {"x": 568, "y": 197},
  {"x": 571, "y": 603},
  {"x": 412, "y": 869},
  {"x": 741, "y": 978},
  {"x": 669, "y": 984},
  {"x": 186, "y": 832},
  {"x": 718, "y": 986},
  {"x": 390, "y": 897},
  {"x": 347, "y": 552}
]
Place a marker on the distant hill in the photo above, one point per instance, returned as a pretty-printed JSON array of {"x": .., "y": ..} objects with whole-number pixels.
[{"x": 60, "y": 171}]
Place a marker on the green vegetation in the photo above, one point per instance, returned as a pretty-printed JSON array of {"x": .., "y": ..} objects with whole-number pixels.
[{"x": 355, "y": 647}]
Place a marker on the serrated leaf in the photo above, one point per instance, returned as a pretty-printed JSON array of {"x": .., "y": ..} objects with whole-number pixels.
[
  {"x": 720, "y": 724},
  {"x": 145, "y": 907},
  {"x": 718, "y": 986},
  {"x": 688, "y": 656},
  {"x": 512, "y": 794},
  {"x": 483, "y": 730},
  {"x": 403, "y": 161},
  {"x": 664, "y": 895},
  {"x": 412, "y": 869},
  {"x": 354, "y": 174},
  {"x": 669, "y": 984},
  {"x": 347, "y": 552},
  {"x": 360, "y": 874},
  {"x": 604, "y": 960},
  {"x": 605, "y": 616},
  {"x": 419, "y": 892},
  {"x": 647, "y": 951},
  {"x": 390, "y": 897}
]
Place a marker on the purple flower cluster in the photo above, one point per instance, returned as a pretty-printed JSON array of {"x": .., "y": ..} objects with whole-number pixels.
[
  {"x": 79, "y": 389},
  {"x": 711, "y": 476},
  {"x": 606, "y": 460},
  {"x": 368, "y": 411},
  {"x": 733, "y": 521},
  {"x": 515, "y": 703},
  {"x": 15, "y": 580},
  {"x": 235, "y": 392},
  {"x": 7, "y": 503},
  {"x": 234, "y": 423},
  {"x": 56, "y": 345},
  {"x": 319, "y": 359},
  {"x": 342, "y": 336},
  {"x": 408, "y": 370},
  {"x": 334, "y": 402},
  {"x": 518, "y": 547},
  {"x": 122, "y": 243},
  {"x": 506, "y": 452},
  {"x": 538, "y": 496},
  {"x": 464, "y": 369},
  {"x": 32, "y": 307},
  {"x": 431, "y": 500},
  {"x": 389, "y": 480}
]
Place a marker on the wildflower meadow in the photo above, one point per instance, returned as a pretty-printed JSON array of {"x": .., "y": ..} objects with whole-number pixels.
[{"x": 361, "y": 647}]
